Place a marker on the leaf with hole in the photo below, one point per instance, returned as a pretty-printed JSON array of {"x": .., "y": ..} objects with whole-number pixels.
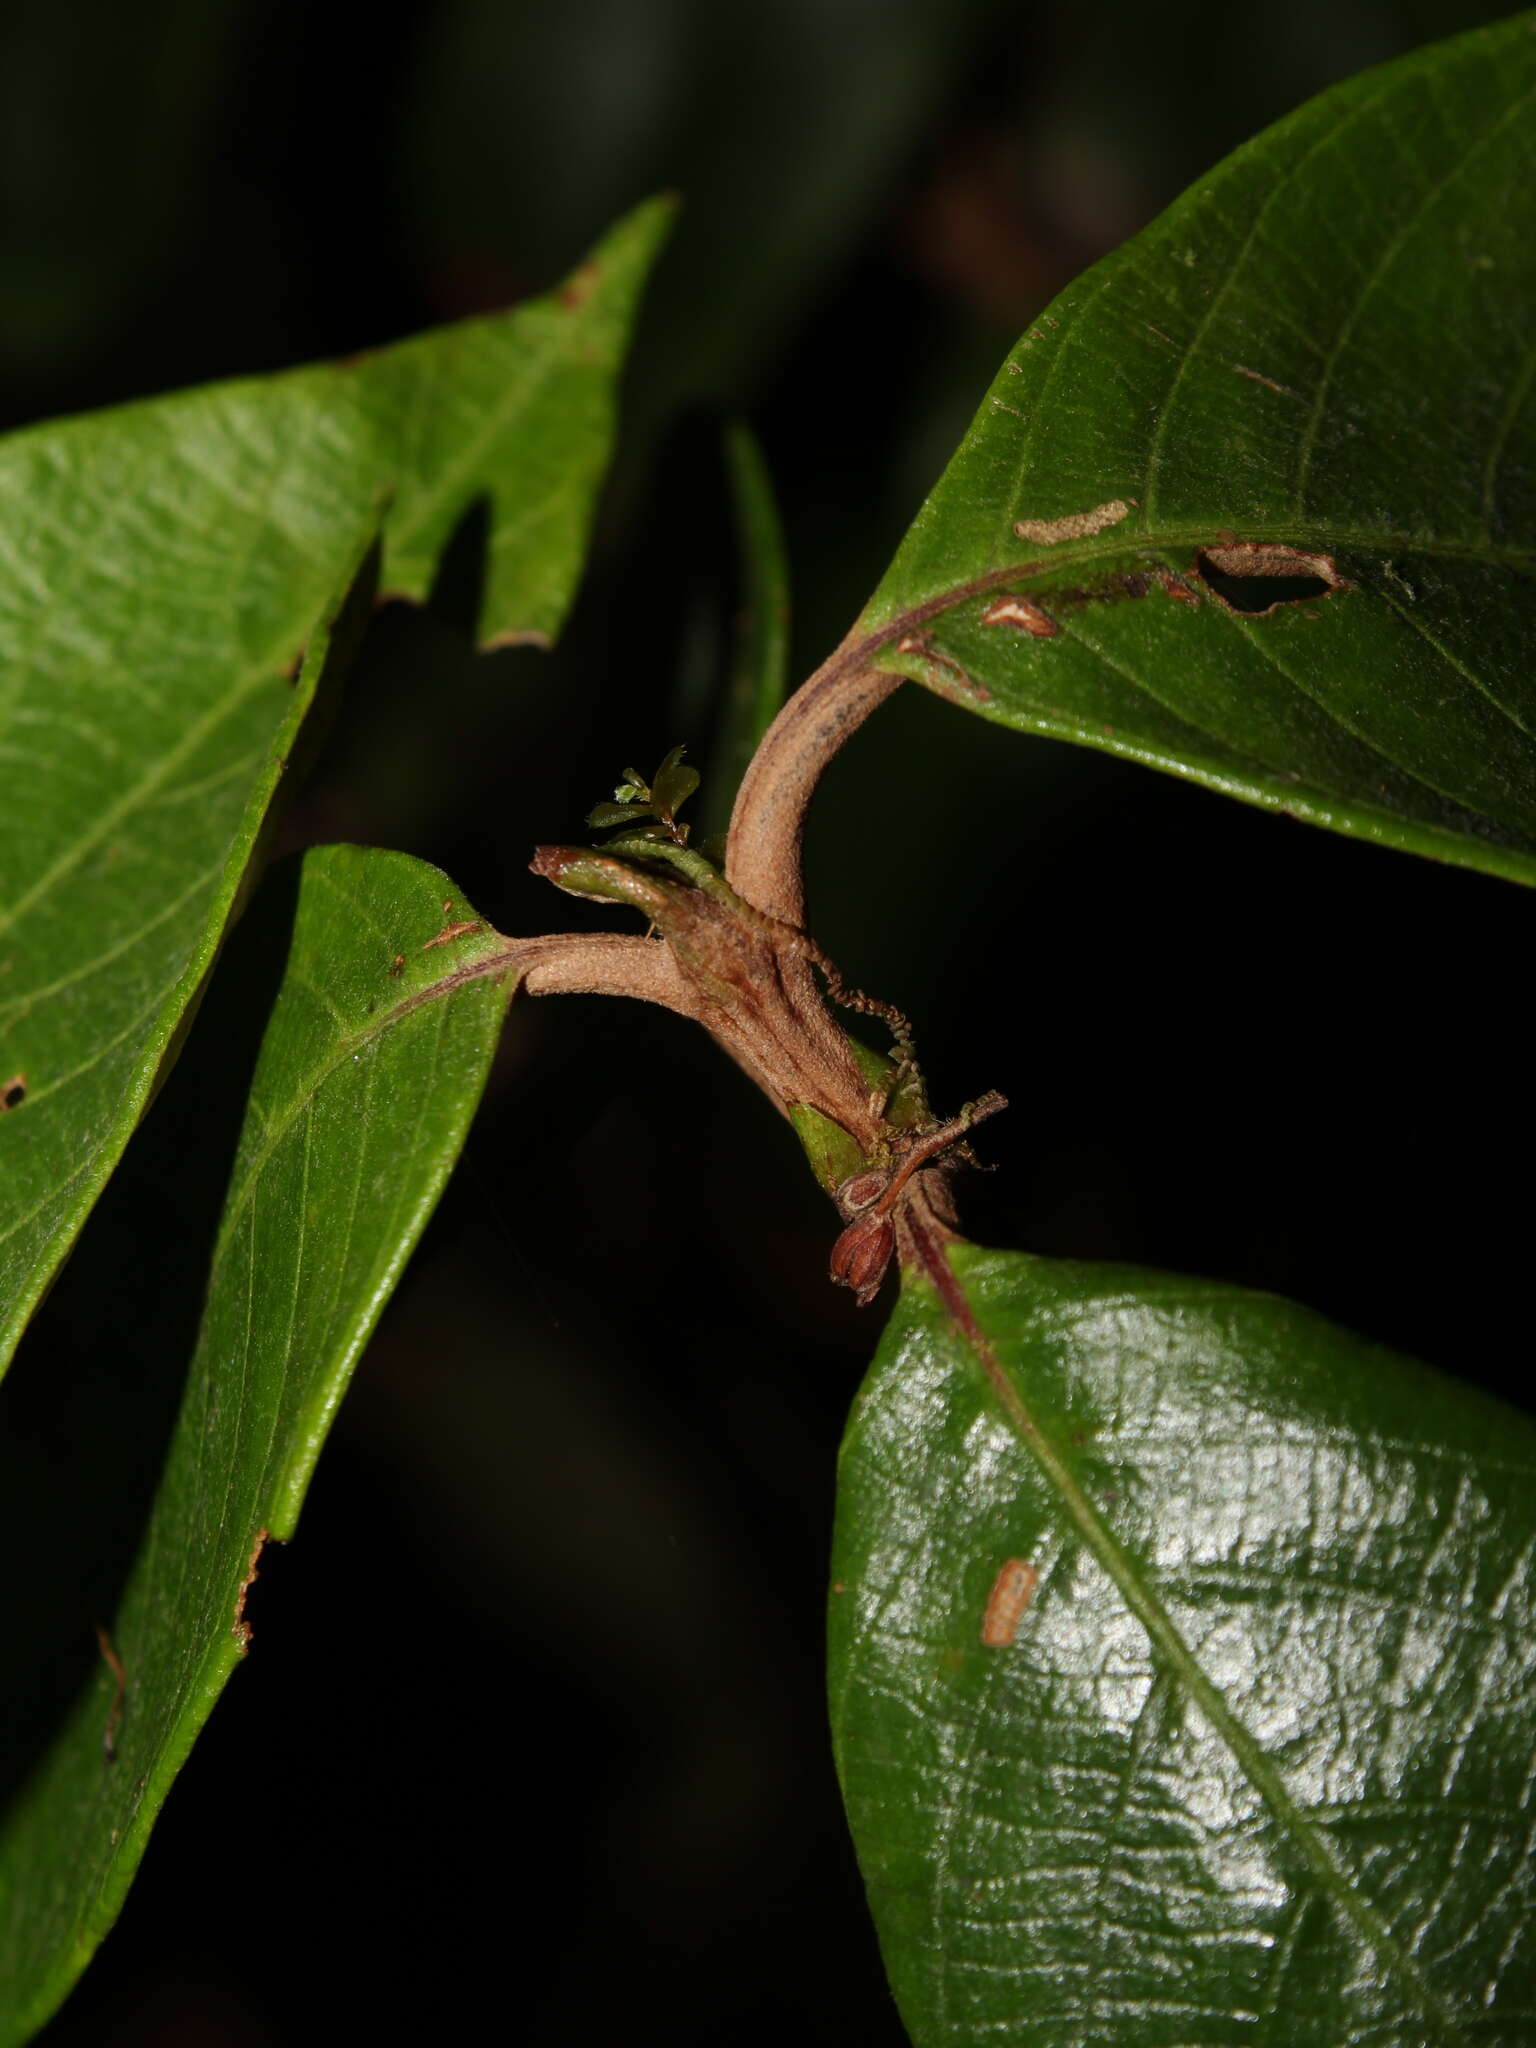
[
  {"x": 369, "y": 1072},
  {"x": 1254, "y": 501},
  {"x": 165, "y": 565},
  {"x": 1183, "y": 1651}
]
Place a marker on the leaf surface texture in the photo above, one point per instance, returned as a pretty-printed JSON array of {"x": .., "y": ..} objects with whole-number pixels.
[
  {"x": 163, "y": 569},
  {"x": 1324, "y": 348},
  {"x": 1246, "y": 1753},
  {"x": 369, "y": 1072}
]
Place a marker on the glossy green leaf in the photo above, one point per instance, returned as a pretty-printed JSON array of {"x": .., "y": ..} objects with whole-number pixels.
[
  {"x": 369, "y": 1073},
  {"x": 1325, "y": 346},
  {"x": 164, "y": 566},
  {"x": 1254, "y": 1762}
]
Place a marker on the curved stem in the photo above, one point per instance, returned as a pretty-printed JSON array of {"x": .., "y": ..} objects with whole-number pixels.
[{"x": 762, "y": 858}]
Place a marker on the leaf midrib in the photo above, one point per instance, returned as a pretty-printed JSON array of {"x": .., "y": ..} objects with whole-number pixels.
[
  {"x": 1125, "y": 1574},
  {"x": 277, "y": 1129},
  {"x": 883, "y": 640},
  {"x": 1311, "y": 536}
]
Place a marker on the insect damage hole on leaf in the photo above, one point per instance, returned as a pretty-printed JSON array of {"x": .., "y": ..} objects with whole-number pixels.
[
  {"x": 1256, "y": 577},
  {"x": 13, "y": 1093}
]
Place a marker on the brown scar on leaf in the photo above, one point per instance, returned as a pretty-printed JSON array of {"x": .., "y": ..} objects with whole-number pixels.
[
  {"x": 295, "y": 667},
  {"x": 1109, "y": 589},
  {"x": 1012, "y": 1591},
  {"x": 240, "y": 1628},
  {"x": 1284, "y": 390},
  {"x": 452, "y": 931},
  {"x": 1018, "y": 611},
  {"x": 578, "y": 287},
  {"x": 1124, "y": 583},
  {"x": 1076, "y": 525},
  {"x": 517, "y": 636},
  {"x": 1160, "y": 334},
  {"x": 920, "y": 645},
  {"x": 13, "y": 1093},
  {"x": 114, "y": 1664}
]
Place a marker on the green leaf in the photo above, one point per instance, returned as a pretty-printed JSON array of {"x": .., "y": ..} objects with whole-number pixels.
[
  {"x": 673, "y": 784},
  {"x": 368, "y": 1075},
  {"x": 607, "y": 817},
  {"x": 1323, "y": 347},
  {"x": 760, "y": 672},
  {"x": 164, "y": 566},
  {"x": 1254, "y": 1761}
]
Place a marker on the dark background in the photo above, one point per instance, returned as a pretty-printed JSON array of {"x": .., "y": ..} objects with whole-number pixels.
[{"x": 531, "y": 1743}]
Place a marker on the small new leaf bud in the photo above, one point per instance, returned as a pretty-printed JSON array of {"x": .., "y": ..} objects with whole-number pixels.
[
  {"x": 861, "y": 1255},
  {"x": 859, "y": 1191}
]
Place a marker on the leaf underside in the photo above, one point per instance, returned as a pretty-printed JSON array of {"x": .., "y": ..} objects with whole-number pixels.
[
  {"x": 1329, "y": 345},
  {"x": 369, "y": 1072},
  {"x": 163, "y": 568},
  {"x": 1254, "y": 1762},
  {"x": 760, "y": 669}
]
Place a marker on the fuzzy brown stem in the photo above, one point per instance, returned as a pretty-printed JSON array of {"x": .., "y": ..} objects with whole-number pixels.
[
  {"x": 762, "y": 857},
  {"x": 599, "y": 964}
]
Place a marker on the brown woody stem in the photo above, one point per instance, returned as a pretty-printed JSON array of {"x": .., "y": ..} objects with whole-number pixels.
[
  {"x": 733, "y": 954},
  {"x": 607, "y": 964}
]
